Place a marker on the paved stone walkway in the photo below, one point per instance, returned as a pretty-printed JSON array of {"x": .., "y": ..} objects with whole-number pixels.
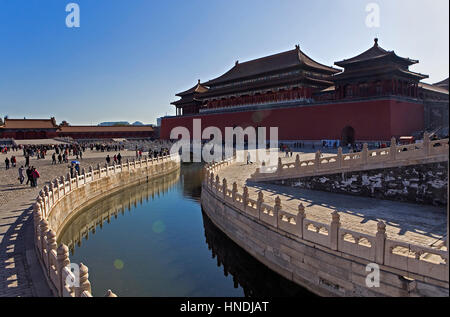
[
  {"x": 20, "y": 274},
  {"x": 418, "y": 224}
]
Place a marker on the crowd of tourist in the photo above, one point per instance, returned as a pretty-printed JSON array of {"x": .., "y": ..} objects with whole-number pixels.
[{"x": 61, "y": 153}]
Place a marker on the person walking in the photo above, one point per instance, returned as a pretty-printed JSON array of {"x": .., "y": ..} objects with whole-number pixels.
[
  {"x": 108, "y": 159},
  {"x": 27, "y": 161},
  {"x": 13, "y": 161},
  {"x": 54, "y": 158},
  {"x": 7, "y": 163},
  {"x": 28, "y": 172},
  {"x": 119, "y": 158},
  {"x": 34, "y": 175},
  {"x": 21, "y": 177},
  {"x": 72, "y": 174}
]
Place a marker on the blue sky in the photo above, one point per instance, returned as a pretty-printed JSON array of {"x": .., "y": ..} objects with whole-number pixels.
[{"x": 129, "y": 58}]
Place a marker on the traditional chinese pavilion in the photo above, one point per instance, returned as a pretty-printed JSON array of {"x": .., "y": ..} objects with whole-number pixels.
[
  {"x": 371, "y": 97},
  {"x": 21, "y": 129}
]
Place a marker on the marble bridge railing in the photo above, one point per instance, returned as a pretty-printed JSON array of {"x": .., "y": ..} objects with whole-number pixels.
[
  {"x": 395, "y": 155},
  {"x": 54, "y": 259},
  {"x": 413, "y": 260}
]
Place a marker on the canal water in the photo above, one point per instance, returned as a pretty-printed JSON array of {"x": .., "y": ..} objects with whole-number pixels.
[{"x": 154, "y": 240}]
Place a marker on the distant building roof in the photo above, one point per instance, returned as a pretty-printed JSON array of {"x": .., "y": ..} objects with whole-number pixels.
[
  {"x": 331, "y": 88},
  {"x": 29, "y": 124},
  {"x": 269, "y": 64},
  {"x": 442, "y": 84},
  {"x": 375, "y": 52},
  {"x": 433, "y": 88},
  {"x": 87, "y": 129}
]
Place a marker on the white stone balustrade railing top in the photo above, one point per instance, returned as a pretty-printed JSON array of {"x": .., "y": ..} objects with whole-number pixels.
[{"x": 358, "y": 160}]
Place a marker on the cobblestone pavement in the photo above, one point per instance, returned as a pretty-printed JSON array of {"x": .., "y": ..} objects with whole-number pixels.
[
  {"x": 418, "y": 224},
  {"x": 20, "y": 274}
]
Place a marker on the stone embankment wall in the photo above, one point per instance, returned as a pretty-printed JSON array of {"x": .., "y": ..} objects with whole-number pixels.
[
  {"x": 58, "y": 203},
  {"x": 323, "y": 257},
  {"x": 424, "y": 183}
]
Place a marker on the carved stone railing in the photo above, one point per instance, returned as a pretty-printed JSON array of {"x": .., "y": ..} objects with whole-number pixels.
[
  {"x": 395, "y": 155},
  {"x": 60, "y": 201},
  {"x": 410, "y": 258}
]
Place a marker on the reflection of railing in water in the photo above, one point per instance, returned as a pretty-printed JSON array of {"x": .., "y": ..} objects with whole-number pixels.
[
  {"x": 256, "y": 279},
  {"x": 93, "y": 217}
]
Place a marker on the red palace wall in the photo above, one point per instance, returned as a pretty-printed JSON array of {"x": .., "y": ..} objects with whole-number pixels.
[
  {"x": 404, "y": 116},
  {"x": 28, "y": 135},
  {"x": 374, "y": 120}
]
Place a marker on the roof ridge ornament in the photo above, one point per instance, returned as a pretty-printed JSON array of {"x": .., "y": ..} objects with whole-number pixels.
[
  {"x": 375, "y": 42},
  {"x": 237, "y": 62}
]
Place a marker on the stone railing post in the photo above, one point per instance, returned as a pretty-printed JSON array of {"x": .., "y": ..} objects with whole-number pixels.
[
  {"x": 259, "y": 203},
  {"x": 276, "y": 209},
  {"x": 70, "y": 181},
  {"x": 365, "y": 154},
  {"x": 63, "y": 261},
  {"x": 51, "y": 245},
  {"x": 47, "y": 199},
  {"x": 426, "y": 144},
  {"x": 300, "y": 217},
  {"x": 76, "y": 180},
  {"x": 37, "y": 218},
  {"x": 245, "y": 197},
  {"x": 128, "y": 164},
  {"x": 297, "y": 161},
  {"x": 44, "y": 229},
  {"x": 109, "y": 293},
  {"x": 91, "y": 170},
  {"x": 224, "y": 188},
  {"x": 45, "y": 209},
  {"x": 334, "y": 230},
  {"x": 57, "y": 188},
  {"x": 234, "y": 191},
  {"x": 51, "y": 189},
  {"x": 339, "y": 157},
  {"x": 85, "y": 285},
  {"x": 99, "y": 171},
  {"x": 317, "y": 161},
  {"x": 63, "y": 182},
  {"x": 380, "y": 242},
  {"x": 83, "y": 173},
  {"x": 393, "y": 149},
  {"x": 217, "y": 185},
  {"x": 211, "y": 180},
  {"x": 280, "y": 166}
]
